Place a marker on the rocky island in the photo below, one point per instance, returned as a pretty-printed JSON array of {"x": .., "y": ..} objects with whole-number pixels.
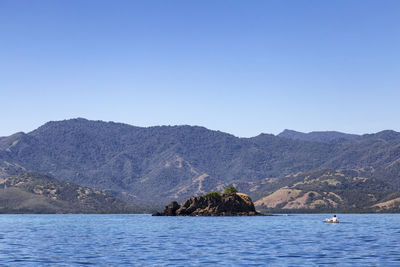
[{"x": 230, "y": 203}]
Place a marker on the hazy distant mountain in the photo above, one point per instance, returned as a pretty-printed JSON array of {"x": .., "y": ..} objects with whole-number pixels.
[
  {"x": 325, "y": 137},
  {"x": 37, "y": 193},
  {"x": 157, "y": 164}
]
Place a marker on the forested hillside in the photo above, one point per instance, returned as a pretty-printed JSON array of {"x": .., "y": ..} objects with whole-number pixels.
[{"x": 157, "y": 164}]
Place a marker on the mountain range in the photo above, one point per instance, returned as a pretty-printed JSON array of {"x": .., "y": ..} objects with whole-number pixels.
[{"x": 154, "y": 165}]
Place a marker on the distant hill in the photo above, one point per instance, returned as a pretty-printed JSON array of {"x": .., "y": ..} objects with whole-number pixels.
[
  {"x": 326, "y": 190},
  {"x": 154, "y": 165},
  {"x": 324, "y": 137},
  {"x": 37, "y": 193}
]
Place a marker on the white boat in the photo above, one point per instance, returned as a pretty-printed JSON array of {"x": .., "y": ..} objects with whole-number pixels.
[{"x": 330, "y": 221}]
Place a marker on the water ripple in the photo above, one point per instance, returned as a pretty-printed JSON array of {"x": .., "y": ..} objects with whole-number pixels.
[{"x": 142, "y": 240}]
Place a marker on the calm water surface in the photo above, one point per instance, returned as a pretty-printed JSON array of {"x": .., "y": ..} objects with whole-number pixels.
[{"x": 142, "y": 240}]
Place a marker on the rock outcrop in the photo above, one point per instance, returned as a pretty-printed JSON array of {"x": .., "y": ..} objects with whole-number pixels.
[{"x": 235, "y": 204}]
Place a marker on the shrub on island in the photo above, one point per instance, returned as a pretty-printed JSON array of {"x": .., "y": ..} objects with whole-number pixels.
[
  {"x": 229, "y": 191},
  {"x": 213, "y": 194}
]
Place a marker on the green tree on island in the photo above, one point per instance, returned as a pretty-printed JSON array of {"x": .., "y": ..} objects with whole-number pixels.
[{"x": 230, "y": 190}]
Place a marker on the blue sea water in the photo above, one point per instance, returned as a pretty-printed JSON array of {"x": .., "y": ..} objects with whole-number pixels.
[{"x": 143, "y": 240}]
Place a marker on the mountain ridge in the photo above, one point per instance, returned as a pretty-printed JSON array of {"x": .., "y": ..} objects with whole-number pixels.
[
  {"x": 154, "y": 165},
  {"x": 318, "y": 136}
]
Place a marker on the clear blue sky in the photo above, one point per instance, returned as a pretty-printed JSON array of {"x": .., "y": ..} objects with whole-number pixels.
[{"x": 242, "y": 67}]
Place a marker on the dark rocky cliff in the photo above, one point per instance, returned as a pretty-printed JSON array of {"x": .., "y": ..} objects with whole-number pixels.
[{"x": 236, "y": 204}]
